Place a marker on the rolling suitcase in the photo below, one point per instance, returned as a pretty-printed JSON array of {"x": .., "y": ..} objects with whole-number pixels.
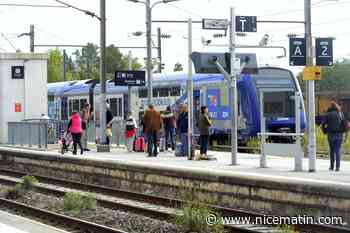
[
  {"x": 139, "y": 144},
  {"x": 162, "y": 144}
]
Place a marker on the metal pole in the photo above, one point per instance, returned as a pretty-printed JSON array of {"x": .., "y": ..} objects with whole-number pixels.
[
  {"x": 103, "y": 71},
  {"x": 129, "y": 87},
  {"x": 149, "y": 49},
  {"x": 233, "y": 101},
  {"x": 311, "y": 90},
  {"x": 64, "y": 66},
  {"x": 159, "y": 35},
  {"x": 31, "y": 34},
  {"x": 190, "y": 91}
]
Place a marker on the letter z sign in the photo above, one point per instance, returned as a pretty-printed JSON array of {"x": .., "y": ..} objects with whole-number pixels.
[
  {"x": 297, "y": 51},
  {"x": 324, "y": 51}
]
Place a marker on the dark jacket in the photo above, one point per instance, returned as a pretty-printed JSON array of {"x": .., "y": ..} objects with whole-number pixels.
[
  {"x": 182, "y": 122},
  {"x": 152, "y": 120},
  {"x": 334, "y": 121},
  {"x": 168, "y": 120},
  {"x": 203, "y": 124}
]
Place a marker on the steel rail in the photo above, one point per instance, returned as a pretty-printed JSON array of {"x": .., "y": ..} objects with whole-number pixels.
[{"x": 162, "y": 201}]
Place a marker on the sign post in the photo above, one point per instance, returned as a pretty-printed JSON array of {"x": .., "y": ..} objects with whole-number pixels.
[
  {"x": 234, "y": 108},
  {"x": 190, "y": 94},
  {"x": 129, "y": 78},
  {"x": 246, "y": 24},
  {"x": 324, "y": 51},
  {"x": 297, "y": 51}
]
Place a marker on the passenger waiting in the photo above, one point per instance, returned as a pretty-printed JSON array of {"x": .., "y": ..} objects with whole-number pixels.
[
  {"x": 204, "y": 124},
  {"x": 169, "y": 126},
  {"x": 130, "y": 131},
  {"x": 182, "y": 124}
]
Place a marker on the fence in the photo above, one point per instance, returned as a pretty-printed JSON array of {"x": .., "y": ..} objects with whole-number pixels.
[{"x": 41, "y": 132}]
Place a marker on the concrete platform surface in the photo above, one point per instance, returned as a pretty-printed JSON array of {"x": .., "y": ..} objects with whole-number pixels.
[
  {"x": 10, "y": 223},
  {"x": 248, "y": 165}
]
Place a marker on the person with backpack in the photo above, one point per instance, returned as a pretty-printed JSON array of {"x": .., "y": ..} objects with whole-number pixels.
[
  {"x": 335, "y": 126},
  {"x": 204, "y": 124},
  {"x": 75, "y": 128},
  {"x": 130, "y": 131},
  {"x": 169, "y": 126}
]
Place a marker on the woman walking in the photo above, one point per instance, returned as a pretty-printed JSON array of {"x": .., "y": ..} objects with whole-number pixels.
[
  {"x": 75, "y": 128},
  {"x": 204, "y": 125},
  {"x": 335, "y": 125}
]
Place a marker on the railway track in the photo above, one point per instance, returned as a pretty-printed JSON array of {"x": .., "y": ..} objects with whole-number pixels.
[
  {"x": 64, "y": 222},
  {"x": 150, "y": 205}
]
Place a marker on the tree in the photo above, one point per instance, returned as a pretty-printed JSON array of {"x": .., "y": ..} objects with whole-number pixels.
[
  {"x": 178, "y": 67},
  {"x": 334, "y": 78},
  {"x": 55, "y": 66},
  {"x": 87, "y": 62}
]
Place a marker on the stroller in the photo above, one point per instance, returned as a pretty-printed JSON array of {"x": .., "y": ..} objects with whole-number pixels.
[{"x": 66, "y": 142}]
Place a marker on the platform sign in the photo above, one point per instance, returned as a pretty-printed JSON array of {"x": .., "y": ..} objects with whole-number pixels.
[
  {"x": 215, "y": 24},
  {"x": 324, "y": 51},
  {"x": 312, "y": 73},
  {"x": 246, "y": 24},
  {"x": 17, "y": 72},
  {"x": 130, "y": 78},
  {"x": 297, "y": 51}
]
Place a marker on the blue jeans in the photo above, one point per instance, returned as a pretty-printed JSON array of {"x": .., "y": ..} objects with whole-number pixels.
[
  {"x": 184, "y": 144},
  {"x": 203, "y": 141},
  {"x": 335, "y": 141},
  {"x": 169, "y": 139},
  {"x": 152, "y": 143}
]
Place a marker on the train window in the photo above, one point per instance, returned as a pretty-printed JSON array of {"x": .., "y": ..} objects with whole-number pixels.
[
  {"x": 273, "y": 109},
  {"x": 120, "y": 107},
  {"x": 82, "y": 103},
  {"x": 142, "y": 93},
  {"x": 116, "y": 106},
  {"x": 51, "y": 98},
  {"x": 155, "y": 92},
  {"x": 175, "y": 91},
  {"x": 163, "y": 92}
]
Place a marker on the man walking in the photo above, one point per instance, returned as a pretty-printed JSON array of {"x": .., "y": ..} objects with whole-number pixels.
[{"x": 153, "y": 123}]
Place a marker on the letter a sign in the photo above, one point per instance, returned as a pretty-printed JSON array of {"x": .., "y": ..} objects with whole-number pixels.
[{"x": 297, "y": 51}]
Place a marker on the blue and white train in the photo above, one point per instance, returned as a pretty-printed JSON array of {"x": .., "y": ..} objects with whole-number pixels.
[{"x": 209, "y": 89}]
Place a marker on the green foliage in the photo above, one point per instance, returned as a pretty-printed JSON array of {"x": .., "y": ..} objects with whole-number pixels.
[
  {"x": 15, "y": 192},
  {"x": 194, "y": 219},
  {"x": 55, "y": 66},
  {"x": 254, "y": 142},
  {"x": 321, "y": 140},
  {"x": 346, "y": 144},
  {"x": 286, "y": 229},
  {"x": 178, "y": 67},
  {"x": 28, "y": 182},
  {"x": 74, "y": 202},
  {"x": 194, "y": 215},
  {"x": 334, "y": 78}
]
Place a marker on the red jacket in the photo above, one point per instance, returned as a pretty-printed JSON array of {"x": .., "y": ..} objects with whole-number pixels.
[{"x": 75, "y": 124}]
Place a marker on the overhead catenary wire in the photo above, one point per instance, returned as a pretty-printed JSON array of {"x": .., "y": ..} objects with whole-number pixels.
[
  {"x": 31, "y": 5},
  {"x": 90, "y": 13},
  {"x": 4, "y": 36}
]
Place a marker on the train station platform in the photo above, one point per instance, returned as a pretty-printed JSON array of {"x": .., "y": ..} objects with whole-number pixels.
[
  {"x": 276, "y": 190},
  {"x": 10, "y": 223}
]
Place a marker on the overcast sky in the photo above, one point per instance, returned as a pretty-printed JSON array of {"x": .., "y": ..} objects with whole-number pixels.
[{"x": 61, "y": 25}]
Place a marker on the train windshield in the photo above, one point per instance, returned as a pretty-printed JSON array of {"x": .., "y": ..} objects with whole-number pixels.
[{"x": 279, "y": 87}]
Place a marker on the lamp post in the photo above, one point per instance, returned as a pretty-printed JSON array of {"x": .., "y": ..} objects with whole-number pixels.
[{"x": 149, "y": 8}]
